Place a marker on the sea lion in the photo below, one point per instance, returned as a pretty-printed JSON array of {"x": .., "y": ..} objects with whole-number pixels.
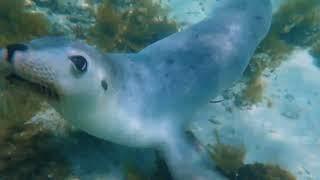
[{"x": 147, "y": 99}]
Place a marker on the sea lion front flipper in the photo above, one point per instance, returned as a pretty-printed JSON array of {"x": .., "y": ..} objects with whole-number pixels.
[
  {"x": 198, "y": 63},
  {"x": 186, "y": 161}
]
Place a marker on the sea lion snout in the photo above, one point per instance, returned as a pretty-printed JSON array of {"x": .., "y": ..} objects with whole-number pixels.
[
  {"x": 25, "y": 63},
  {"x": 7, "y": 55}
]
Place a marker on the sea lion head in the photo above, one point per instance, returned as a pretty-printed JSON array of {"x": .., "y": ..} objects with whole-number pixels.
[{"x": 68, "y": 72}]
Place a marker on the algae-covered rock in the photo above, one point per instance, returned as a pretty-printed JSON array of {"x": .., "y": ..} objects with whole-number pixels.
[
  {"x": 228, "y": 158},
  {"x": 17, "y": 103},
  {"x": 28, "y": 152},
  {"x": 18, "y": 25},
  {"x": 260, "y": 171}
]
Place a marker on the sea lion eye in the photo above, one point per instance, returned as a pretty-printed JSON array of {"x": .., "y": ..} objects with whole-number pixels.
[{"x": 80, "y": 63}]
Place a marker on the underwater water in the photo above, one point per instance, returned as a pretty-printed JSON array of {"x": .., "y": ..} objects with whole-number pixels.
[{"x": 265, "y": 127}]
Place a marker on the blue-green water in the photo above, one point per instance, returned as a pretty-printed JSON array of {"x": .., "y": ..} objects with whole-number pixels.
[{"x": 264, "y": 127}]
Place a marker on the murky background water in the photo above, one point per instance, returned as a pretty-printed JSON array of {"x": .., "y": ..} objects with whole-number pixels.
[{"x": 267, "y": 127}]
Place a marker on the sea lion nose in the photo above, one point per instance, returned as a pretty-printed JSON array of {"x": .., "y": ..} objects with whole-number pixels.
[{"x": 11, "y": 49}]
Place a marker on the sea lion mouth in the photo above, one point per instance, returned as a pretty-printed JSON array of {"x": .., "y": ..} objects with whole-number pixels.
[{"x": 45, "y": 91}]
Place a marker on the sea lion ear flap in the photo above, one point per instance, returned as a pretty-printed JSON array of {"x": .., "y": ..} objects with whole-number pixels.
[{"x": 104, "y": 85}]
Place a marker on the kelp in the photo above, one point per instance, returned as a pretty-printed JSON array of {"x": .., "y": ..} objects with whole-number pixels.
[
  {"x": 298, "y": 21},
  {"x": 229, "y": 161},
  {"x": 253, "y": 93},
  {"x": 130, "y": 28},
  {"x": 18, "y": 25},
  {"x": 295, "y": 24}
]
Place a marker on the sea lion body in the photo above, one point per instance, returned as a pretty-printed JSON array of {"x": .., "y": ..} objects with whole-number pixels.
[{"x": 147, "y": 99}]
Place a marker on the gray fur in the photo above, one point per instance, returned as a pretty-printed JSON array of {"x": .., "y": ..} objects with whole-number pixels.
[{"x": 152, "y": 95}]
